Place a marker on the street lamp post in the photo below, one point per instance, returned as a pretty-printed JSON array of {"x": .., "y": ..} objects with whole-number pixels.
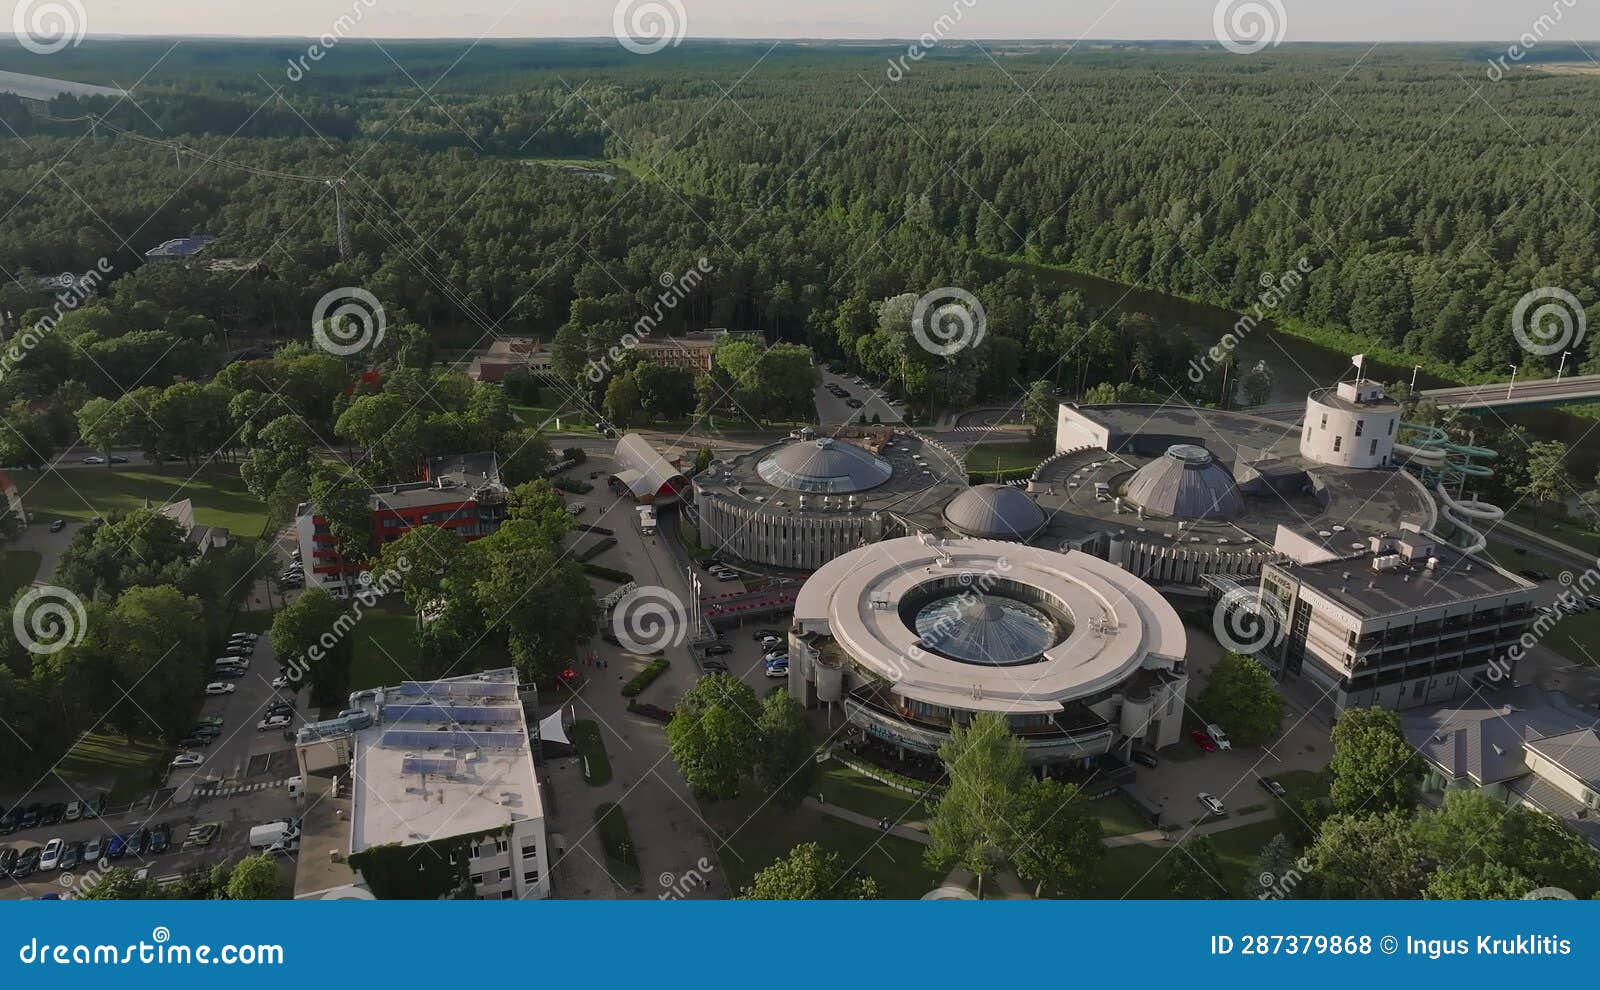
[
  {"x": 1564, "y": 355},
  {"x": 1414, "y": 370},
  {"x": 1513, "y": 381}
]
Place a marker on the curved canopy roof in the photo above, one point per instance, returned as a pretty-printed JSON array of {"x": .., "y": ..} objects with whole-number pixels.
[
  {"x": 647, "y": 475},
  {"x": 824, "y": 466},
  {"x": 998, "y": 512},
  {"x": 1186, "y": 483}
]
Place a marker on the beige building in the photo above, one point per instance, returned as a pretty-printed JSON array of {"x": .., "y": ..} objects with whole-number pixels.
[{"x": 693, "y": 351}]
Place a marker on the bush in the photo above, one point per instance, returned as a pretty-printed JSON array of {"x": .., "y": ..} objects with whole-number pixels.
[
  {"x": 1001, "y": 476},
  {"x": 622, "y": 859},
  {"x": 607, "y": 573},
  {"x": 575, "y": 486},
  {"x": 656, "y": 712},
  {"x": 587, "y": 741},
  {"x": 645, "y": 677},
  {"x": 576, "y": 455},
  {"x": 598, "y": 549},
  {"x": 596, "y": 530}
]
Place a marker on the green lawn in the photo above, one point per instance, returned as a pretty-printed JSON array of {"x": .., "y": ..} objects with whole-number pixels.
[
  {"x": 1007, "y": 456},
  {"x": 622, "y": 857},
  {"x": 1140, "y": 871},
  {"x": 858, "y": 792},
  {"x": 1578, "y": 535},
  {"x": 108, "y": 761},
  {"x": 219, "y": 496},
  {"x": 1119, "y": 816},
  {"x": 1576, "y": 637},
  {"x": 894, "y": 862},
  {"x": 18, "y": 568},
  {"x": 385, "y": 652},
  {"x": 591, "y": 746}
]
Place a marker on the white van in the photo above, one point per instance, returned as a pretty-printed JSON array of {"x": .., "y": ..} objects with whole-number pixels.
[{"x": 282, "y": 835}]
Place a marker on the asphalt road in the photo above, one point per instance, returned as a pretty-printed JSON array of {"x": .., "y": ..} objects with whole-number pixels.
[{"x": 832, "y": 410}]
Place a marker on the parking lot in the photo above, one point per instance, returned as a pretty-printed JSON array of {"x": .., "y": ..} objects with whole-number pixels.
[{"x": 836, "y": 409}]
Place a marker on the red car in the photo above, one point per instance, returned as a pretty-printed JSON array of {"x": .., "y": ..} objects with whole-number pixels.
[{"x": 1204, "y": 741}]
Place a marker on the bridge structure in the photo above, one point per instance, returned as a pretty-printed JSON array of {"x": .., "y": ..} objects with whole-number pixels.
[{"x": 1467, "y": 398}]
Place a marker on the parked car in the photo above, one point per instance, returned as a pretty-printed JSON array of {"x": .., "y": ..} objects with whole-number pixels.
[
  {"x": 160, "y": 839},
  {"x": 31, "y": 815},
  {"x": 71, "y": 856},
  {"x": 53, "y": 814},
  {"x": 1144, "y": 758},
  {"x": 1218, "y": 736},
  {"x": 718, "y": 649},
  {"x": 94, "y": 849},
  {"x": 58, "y": 525},
  {"x": 273, "y": 722},
  {"x": 10, "y": 821},
  {"x": 1203, "y": 741},
  {"x": 94, "y": 459},
  {"x": 219, "y": 687},
  {"x": 73, "y": 813},
  {"x": 778, "y": 669},
  {"x": 117, "y": 847},
  {"x": 1212, "y": 803},
  {"x": 51, "y": 857},
  {"x": 281, "y": 681},
  {"x": 1272, "y": 787},
  {"x": 116, "y": 459},
  {"x": 196, "y": 742},
  {"x": 27, "y": 862},
  {"x": 8, "y": 859},
  {"x": 139, "y": 842},
  {"x": 714, "y": 667},
  {"x": 187, "y": 760}
]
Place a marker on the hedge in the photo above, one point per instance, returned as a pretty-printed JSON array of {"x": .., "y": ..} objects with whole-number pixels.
[
  {"x": 656, "y": 712},
  {"x": 591, "y": 747},
  {"x": 576, "y": 455},
  {"x": 645, "y": 677},
  {"x": 576, "y": 486},
  {"x": 599, "y": 548},
  {"x": 1002, "y": 476},
  {"x": 597, "y": 530},
  {"x": 607, "y": 573},
  {"x": 622, "y": 858}
]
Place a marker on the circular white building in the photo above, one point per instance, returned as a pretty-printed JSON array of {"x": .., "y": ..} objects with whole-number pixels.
[
  {"x": 1351, "y": 425},
  {"x": 913, "y": 635}
]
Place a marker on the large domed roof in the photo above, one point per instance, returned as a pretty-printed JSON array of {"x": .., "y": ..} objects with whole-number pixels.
[
  {"x": 1186, "y": 482},
  {"x": 998, "y": 512},
  {"x": 825, "y": 466}
]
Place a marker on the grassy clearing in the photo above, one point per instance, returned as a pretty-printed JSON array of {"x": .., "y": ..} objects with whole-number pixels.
[
  {"x": 846, "y": 788},
  {"x": 18, "y": 568},
  {"x": 755, "y": 842},
  {"x": 385, "y": 652},
  {"x": 1576, "y": 637},
  {"x": 986, "y": 457},
  {"x": 622, "y": 857},
  {"x": 1578, "y": 535},
  {"x": 591, "y": 745},
  {"x": 110, "y": 762},
  {"x": 1119, "y": 816},
  {"x": 1140, "y": 871},
  {"x": 219, "y": 496}
]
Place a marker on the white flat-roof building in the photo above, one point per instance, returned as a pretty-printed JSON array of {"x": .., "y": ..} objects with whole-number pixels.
[
  {"x": 432, "y": 761},
  {"x": 912, "y": 635}
]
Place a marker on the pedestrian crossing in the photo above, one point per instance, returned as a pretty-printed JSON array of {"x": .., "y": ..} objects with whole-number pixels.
[{"x": 218, "y": 790}]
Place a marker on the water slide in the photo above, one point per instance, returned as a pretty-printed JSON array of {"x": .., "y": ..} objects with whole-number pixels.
[{"x": 1441, "y": 462}]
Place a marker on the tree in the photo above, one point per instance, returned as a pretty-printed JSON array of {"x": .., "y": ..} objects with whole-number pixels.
[
  {"x": 1374, "y": 769},
  {"x": 532, "y": 592},
  {"x": 969, "y": 826},
  {"x": 1240, "y": 696},
  {"x": 422, "y": 560},
  {"x": 255, "y": 878},
  {"x": 1546, "y": 850},
  {"x": 117, "y": 884},
  {"x": 1549, "y": 480},
  {"x": 776, "y": 382},
  {"x": 1368, "y": 857},
  {"x": 1477, "y": 881},
  {"x": 713, "y": 734},
  {"x": 155, "y": 641},
  {"x": 523, "y": 455},
  {"x": 1039, "y": 407},
  {"x": 282, "y": 447},
  {"x": 1056, "y": 840},
  {"x": 1257, "y": 384},
  {"x": 786, "y": 763},
  {"x": 808, "y": 873},
  {"x": 1274, "y": 864},
  {"x": 624, "y": 405},
  {"x": 139, "y": 547},
  {"x": 305, "y": 635},
  {"x": 341, "y": 499},
  {"x": 1194, "y": 873}
]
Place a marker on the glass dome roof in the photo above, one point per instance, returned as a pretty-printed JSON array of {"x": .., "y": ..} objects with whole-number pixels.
[{"x": 986, "y": 629}]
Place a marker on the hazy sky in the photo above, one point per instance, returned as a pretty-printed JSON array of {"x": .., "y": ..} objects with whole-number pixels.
[{"x": 1306, "y": 20}]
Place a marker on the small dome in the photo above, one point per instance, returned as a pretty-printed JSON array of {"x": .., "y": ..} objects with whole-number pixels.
[
  {"x": 824, "y": 466},
  {"x": 998, "y": 512},
  {"x": 1186, "y": 482}
]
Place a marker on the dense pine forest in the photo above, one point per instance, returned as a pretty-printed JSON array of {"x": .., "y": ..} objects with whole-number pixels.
[{"x": 1423, "y": 197}]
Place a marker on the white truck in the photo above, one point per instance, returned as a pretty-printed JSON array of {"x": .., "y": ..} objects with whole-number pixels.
[{"x": 278, "y": 836}]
